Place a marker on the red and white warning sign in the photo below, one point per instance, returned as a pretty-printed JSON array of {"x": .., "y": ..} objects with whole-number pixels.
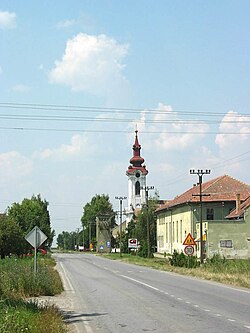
[{"x": 132, "y": 243}]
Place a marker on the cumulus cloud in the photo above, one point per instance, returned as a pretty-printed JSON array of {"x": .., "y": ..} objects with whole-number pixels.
[
  {"x": 79, "y": 144},
  {"x": 172, "y": 132},
  {"x": 91, "y": 63},
  {"x": 14, "y": 166},
  {"x": 7, "y": 20},
  {"x": 233, "y": 122}
]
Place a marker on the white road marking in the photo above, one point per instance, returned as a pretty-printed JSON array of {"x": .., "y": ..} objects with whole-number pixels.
[
  {"x": 218, "y": 315},
  {"x": 66, "y": 279},
  {"x": 247, "y": 326},
  {"x": 140, "y": 282},
  {"x": 206, "y": 310},
  {"x": 196, "y": 306},
  {"x": 230, "y": 319},
  {"x": 187, "y": 302},
  {"x": 179, "y": 299}
]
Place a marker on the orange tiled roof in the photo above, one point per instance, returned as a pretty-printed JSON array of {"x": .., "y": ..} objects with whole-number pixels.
[{"x": 223, "y": 188}]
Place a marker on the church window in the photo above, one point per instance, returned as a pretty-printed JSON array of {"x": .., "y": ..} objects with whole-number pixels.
[{"x": 137, "y": 188}]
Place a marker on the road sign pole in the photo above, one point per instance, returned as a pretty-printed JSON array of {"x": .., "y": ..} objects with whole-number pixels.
[{"x": 35, "y": 248}]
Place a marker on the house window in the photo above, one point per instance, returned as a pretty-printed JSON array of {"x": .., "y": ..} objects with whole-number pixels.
[
  {"x": 173, "y": 233},
  {"x": 137, "y": 188},
  {"x": 210, "y": 214},
  {"x": 181, "y": 231},
  {"x": 177, "y": 232},
  {"x": 226, "y": 243}
]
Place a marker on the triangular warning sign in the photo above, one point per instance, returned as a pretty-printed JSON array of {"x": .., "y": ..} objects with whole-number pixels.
[{"x": 189, "y": 240}]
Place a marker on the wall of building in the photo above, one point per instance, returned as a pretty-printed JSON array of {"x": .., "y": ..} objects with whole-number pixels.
[
  {"x": 172, "y": 228},
  {"x": 228, "y": 238}
]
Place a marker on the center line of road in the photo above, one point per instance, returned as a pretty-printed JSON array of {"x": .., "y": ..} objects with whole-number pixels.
[{"x": 140, "y": 282}]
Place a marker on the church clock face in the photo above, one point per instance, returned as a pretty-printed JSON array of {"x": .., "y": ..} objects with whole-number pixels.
[{"x": 137, "y": 175}]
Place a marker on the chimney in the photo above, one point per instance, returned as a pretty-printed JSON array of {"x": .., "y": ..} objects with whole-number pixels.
[{"x": 237, "y": 203}]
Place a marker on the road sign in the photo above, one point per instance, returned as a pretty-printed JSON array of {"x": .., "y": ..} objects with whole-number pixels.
[
  {"x": 189, "y": 250},
  {"x": 36, "y": 237},
  {"x": 132, "y": 243},
  {"x": 189, "y": 240}
]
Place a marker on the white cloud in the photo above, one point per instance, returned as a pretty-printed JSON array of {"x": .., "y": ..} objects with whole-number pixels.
[
  {"x": 7, "y": 20},
  {"x": 172, "y": 132},
  {"x": 22, "y": 88},
  {"x": 233, "y": 122},
  {"x": 92, "y": 64},
  {"x": 14, "y": 166},
  {"x": 79, "y": 144},
  {"x": 66, "y": 24}
]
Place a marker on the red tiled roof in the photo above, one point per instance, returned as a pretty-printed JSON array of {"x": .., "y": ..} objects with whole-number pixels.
[
  {"x": 223, "y": 188},
  {"x": 240, "y": 213}
]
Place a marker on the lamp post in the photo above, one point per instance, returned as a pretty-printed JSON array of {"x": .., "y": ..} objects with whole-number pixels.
[
  {"x": 147, "y": 188},
  {"x": 120, "y": 199},
  {"x": 200, "y": 174}
]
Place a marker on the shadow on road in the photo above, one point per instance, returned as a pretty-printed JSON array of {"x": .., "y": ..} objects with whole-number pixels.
[{"x": 71, "y": 317}]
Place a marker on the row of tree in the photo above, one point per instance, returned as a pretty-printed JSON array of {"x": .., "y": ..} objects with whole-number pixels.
[
  {"x": 19, "y": 220},
  {"x": 100, "y": 205}
]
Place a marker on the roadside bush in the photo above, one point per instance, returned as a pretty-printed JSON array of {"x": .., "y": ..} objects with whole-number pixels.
[
  {"x": 181, "y": 260},
  {"x": 17, "y": 278}
]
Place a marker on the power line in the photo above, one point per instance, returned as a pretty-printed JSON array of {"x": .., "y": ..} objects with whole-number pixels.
[
  {"x": 115, "y": 131},
  {"x": 74, "y": 108}
]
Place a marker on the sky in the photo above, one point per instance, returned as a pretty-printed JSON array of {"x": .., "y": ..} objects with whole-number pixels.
[{"x": 78, "y": 77}]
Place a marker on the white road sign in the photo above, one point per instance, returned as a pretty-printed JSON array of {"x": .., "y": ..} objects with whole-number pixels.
[{"x": 36, "y": 237}]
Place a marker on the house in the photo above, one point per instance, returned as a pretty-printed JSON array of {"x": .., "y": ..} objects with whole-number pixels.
[{"x": 225, "y": 219}]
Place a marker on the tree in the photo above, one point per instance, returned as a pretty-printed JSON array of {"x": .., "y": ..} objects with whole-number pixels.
[
  {"x": 98, "y": 206},
  {"x": 11, "y": 240},
  {"x": 140, "y": 230},
  {"x": 30, "y": 213},
  {"x": 67, "y": 240}
]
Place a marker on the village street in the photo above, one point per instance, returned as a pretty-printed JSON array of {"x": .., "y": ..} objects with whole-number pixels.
[{"x": 102, "y": 295}]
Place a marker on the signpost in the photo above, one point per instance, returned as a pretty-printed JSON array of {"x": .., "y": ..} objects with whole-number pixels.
[
  {"x": 36, "y": 237},
  {"x": 189, "y": 242}
]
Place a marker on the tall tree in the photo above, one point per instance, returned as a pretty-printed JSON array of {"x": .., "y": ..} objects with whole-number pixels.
[
  {"x": 11, "y": 240},
  {"x": 30, "y": 213},
  {"x": 140, "y": 229},
  {"x": 98, "y": 206}
]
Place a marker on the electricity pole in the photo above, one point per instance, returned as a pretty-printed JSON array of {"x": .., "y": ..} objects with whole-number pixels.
[
  {"x": 121, "y": 199},
  {"x": 200, "y": 174},
  {"x": 147, "y": 188}
]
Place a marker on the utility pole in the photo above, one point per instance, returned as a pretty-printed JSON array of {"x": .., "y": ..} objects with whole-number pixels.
[
  {"x": 147, "y": 188},
  {"x": 120, "y": 199},
  {"x": 200, "y": 174}
]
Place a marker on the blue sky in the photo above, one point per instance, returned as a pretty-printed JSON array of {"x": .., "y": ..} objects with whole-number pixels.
[{"x": 78, "y": 76}]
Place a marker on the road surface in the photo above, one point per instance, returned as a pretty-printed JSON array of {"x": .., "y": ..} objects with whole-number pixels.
[{"x": 111, "y": 297}]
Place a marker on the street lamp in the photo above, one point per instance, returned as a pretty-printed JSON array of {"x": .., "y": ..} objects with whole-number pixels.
[
  {"x": 120, "y": 199},
  {"x": 200, "y": 174}
]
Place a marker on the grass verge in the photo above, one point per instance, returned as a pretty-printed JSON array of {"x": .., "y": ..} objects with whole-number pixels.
[
  {"x": 232, "y": 272},
  {"x": 17, "y": 282}
]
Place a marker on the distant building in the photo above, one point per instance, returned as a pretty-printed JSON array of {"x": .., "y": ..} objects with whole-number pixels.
[{"x": 226, "y": 219}]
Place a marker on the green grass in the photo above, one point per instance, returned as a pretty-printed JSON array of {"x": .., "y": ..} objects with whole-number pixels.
[
  {"x": 233, "y": 272},
  {"x": 21, "y": 316},
  {"x": 17, "y": 282}
]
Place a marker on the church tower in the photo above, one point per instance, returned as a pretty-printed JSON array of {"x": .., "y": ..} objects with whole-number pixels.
[{"x": 136, "y": 173}]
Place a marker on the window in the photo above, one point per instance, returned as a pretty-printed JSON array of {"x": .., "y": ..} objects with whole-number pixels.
[
  {"x": 177, "y": 232},
  {"x": 181, "y": 231},
  {"x": 210, "y": 214},
  {"x": 137, "y": 188}
]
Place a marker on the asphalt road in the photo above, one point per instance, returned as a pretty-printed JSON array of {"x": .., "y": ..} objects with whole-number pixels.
[{"x": 110, "y": 297}]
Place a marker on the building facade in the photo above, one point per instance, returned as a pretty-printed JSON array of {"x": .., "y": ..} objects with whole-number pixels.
[{"x": 221, "y": 233}]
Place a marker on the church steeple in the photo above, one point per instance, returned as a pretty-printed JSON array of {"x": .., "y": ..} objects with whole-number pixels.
[
  {"x": 137, "y": 160},
  {"x": 136, "y": 173}
]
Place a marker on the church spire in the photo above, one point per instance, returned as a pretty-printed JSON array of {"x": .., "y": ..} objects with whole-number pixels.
[{"x": 137, "y": 160}]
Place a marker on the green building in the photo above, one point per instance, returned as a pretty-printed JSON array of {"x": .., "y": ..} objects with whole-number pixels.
[{"x": 225, "y": 219}]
